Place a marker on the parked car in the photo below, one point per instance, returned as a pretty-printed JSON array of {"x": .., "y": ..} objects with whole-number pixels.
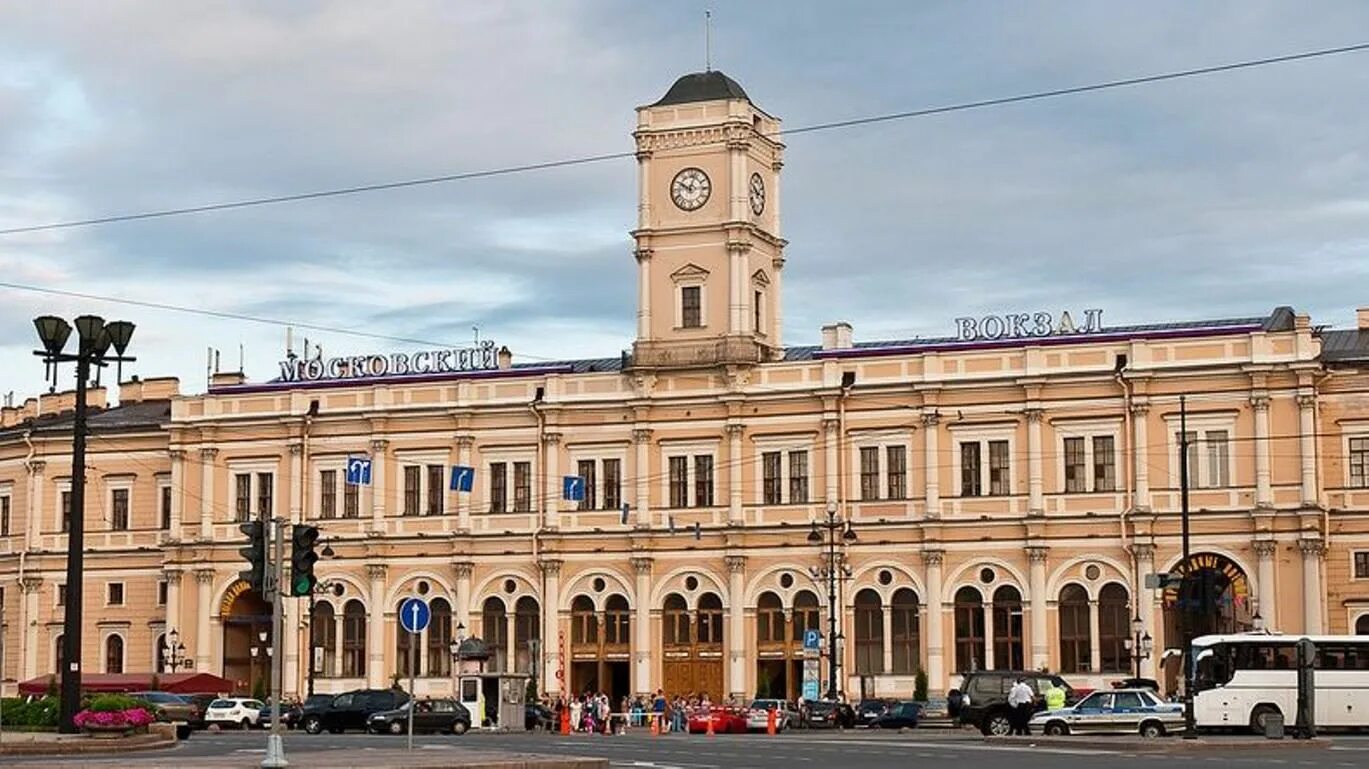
[
  {"x": 446, "y": 716},
  {"x": 350, "y": 710},
  {"x": 201, "y": 703},
  {"x": 538, "y": 716},
  {"x": 170, "y": 707},
  {"x": 758, "y": 714},
  {"x": 233, "y": 711},
  {"x": 725, "y": 721},
  {"x": 290, "y": 712},
  {"x": 830, "y": 715},
  {"x": 982, "y": 699},
  {"x": 1134, "y": 710},
  {"x": 869, "y": 710},
  {"x": 902, "y": 714}
]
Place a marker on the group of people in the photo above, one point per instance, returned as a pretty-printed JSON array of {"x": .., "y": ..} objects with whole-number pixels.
[
  {"x": 590, "y": 712},
  {"x": 1022, "y": 702},
  {"x": 593, "y": 712}
]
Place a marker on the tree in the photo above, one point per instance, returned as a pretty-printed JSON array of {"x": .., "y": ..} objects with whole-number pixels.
[{"x": 920, "y": 686}]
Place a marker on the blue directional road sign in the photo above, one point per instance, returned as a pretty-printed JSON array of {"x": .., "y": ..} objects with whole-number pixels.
[
  {"x": 812, "y": 639},
  {"x": 358, "y": 471},
  {"x": 572, "y": 488},
  {"x": 463, "y": 478},
  {"x": 414, "y": 615}
]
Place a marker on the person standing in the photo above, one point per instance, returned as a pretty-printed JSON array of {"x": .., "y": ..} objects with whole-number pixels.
[{"x": 1020, "y": 699}]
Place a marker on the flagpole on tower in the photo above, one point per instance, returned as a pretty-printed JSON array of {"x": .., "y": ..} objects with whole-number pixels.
[{"x": 708, "y": 41}]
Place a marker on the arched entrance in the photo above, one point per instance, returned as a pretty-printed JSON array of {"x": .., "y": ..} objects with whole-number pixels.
[
  {"x": 1214, "y": 597},
  {"x": 693, "y": 646},
  {"x": 246, "y": 620},
  {"x": 779, "y": 643},
  {"x": 600, "y": 647}
]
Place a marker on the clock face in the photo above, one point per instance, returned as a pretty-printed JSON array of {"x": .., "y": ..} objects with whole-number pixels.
[
  {"x": 757, "y": 194},
  {"x": 690, "y": 189}
]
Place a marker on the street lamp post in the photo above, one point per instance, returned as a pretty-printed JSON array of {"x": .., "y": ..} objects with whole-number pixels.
[
  {"x": 95, "y": 338},
  {"x": 173, "y": 653},
  {"x": 832, "y": 571},
  {"x": 1140, "y": 644},
  {"x": 455, "y": 647}
]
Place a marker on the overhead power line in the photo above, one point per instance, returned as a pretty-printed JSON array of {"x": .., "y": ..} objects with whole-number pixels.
[{"x": 598, "y": 158}]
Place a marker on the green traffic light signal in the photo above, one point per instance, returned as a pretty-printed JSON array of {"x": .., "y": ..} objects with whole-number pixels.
[{"x": 302, "y": 559}]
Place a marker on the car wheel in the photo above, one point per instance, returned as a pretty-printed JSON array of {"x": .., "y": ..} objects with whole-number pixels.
[
  {"x": 1259, "y": 715},
  {"x": 997, "y": 725},
  {"x": 1152, "y": 729},
  {"x": 246, "y": 724},
  {"x": 460, "y": 727},
  {"x": 396, "y": 727},
  {"x": 313, "y": 725},
  {"x": 1056, "y": 729}
]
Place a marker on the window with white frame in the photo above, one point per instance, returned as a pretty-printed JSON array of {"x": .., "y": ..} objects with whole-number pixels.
[
  {"x": 421, "y": 477},
  {"x": 334, "y": 497},
  {"x": 327, "y": 493},
  {"x": 603, "y": 476},
  {"x": 510, "y": 479},
  {"x": 783, "y": 466},
  {"x": 1088, "y": 455},
  {"x": 164, "y": 503},
  {"x": 1360, "y": 564},
  {"x": 689, "y": 478},
  {"x": 253, "y": 489},
  {"x": 64, "y": 505},
  {"x": 1358, "y": 450},
  {"x": 114, "y": 594},
  {"x": 881, "y": 468},
  {"x": 161, "y": 592},
  {"x": 691, "y": 307},
  {"x": 982, "y": 460},
  {"x": 119, "y": 501},
  {"x": 5, "y": 509},
  {"x": 1208, "y": 441}
]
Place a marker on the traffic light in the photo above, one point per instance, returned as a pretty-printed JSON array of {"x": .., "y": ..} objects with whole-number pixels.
[
  {"x": 255, "y": 553},
  {"x": 302, "y": 558}
]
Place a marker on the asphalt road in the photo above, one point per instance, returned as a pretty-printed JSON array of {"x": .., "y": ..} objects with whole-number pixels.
[{"x": 788, "y": 751}]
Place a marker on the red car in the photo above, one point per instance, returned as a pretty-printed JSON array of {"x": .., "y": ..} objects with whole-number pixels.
[{"x": 725, "y": 721}]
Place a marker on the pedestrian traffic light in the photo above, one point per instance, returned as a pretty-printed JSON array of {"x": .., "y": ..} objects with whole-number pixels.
[
  {"x": 302, "y": 558},
  {"x": 255, "y": 553}
]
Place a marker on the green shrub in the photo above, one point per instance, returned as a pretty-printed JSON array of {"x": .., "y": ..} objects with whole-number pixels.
[
  {"x": 109, "y": 703},
  {"x": 920, "y": 686},
  {"x": 53, "y": 689},
  {"x": 41, "y": 713}
]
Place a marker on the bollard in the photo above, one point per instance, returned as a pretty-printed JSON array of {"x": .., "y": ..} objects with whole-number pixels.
[{"x": 770, "y": 722}]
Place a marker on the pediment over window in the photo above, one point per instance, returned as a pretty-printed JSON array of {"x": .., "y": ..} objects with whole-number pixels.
[
  {"x": 690, "y": 273},
  {"x": 760, "y": 278}
]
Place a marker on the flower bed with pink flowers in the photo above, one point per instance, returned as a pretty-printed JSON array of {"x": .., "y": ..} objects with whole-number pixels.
[{"x": 114, "y": 714}]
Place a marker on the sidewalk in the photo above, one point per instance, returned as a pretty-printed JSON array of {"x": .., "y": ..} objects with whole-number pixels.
[
  {"x": 446, "y": 758},
  {"x": 52, "y": 743},
  {"x": 1169, "y": 744}
]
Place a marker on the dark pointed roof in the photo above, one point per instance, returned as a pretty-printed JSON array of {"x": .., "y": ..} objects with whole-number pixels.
[{"x": 702, "y": 86}]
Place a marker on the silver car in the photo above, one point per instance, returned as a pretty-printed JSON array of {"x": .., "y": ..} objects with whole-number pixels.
[
  {"x": 758, "y": 715},
  {"x": 1135, "y": 711}
]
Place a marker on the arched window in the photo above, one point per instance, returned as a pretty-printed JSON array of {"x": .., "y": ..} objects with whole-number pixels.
[
  {"x": 1114, "y": 628},
  {"x": 494, "y": 626},
  {"x": 354, "y": 639},
  {"x": 1007, "y": 628},
  {"x": 114, "y": 654},
  {"x": 710, "y": 619},
  {"x": 1075, "y": 643},
  {"x": 676, "y": 620},
  {"x": 617, "y": 621},
  {"x": 907, "y": 645},
  {"x": 1362, "y": 625},
  {"x": 527, "y": 631},
  {"x": 806, "y": 614},
  {"x": 969, "y": 630},
  {"x": 405, "y": 644},
  {"x": 584, "y": 623},
  {"x": 869, "y": 633},
  {"x": 769, "y": 618},
  {"x": 323, "y": 639},
  {"x": 439, "y": 635},
  {"x": 160, "y": 651}
]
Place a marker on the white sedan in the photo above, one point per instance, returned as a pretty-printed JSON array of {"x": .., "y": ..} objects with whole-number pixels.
[
  {"x": 234, "y": 711},
  {"x": 1136, "y": 711}
]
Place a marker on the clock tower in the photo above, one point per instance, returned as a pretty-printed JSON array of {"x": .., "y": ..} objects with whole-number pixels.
[{"x": 709, "y": 251}]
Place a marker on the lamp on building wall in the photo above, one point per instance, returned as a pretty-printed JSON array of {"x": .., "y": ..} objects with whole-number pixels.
[
  {"x": 92, "y": 354},
  {"x": 833, "y": 571}
]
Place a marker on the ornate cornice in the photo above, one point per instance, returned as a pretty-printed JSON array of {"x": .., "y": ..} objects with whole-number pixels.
[
  {"x": 1315, "y": 548},
  {"x": 933, "y": 557},
  {"x": 641, "y": 435},
  {"x": 204, "y": 576},
  {"x": 551, "y": 567},
  {"x": 1037, "y": 554},
  {"x": 1144, "y": 552},
  {"x": 208, "y": 454},
  {"x": 736, "y": 564},
  {"x": 379, "y": 445},
  {"x": 642, "y": 565},
  {"x": 1265, "y": 548},
  {"x": 463, "y": 569},
  {"x": 172, "y": 576}
]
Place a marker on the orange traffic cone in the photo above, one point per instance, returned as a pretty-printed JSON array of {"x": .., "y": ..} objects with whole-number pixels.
[
  {"x": 710, "y": 723},
  {"x": 655, "y": 726}
]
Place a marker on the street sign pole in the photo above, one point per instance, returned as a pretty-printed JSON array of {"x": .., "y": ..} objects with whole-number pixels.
[
  {"x": 414, "y": 615},
  {"x": 275, "y": 744},
  {"x": 413, "y": 695}
]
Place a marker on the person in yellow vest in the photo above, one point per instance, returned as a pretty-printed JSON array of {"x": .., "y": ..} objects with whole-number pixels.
[{"x": 1055, "y": 698}]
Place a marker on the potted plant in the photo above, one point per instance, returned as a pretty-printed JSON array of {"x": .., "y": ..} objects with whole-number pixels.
[{"x": 113, "y": 715}]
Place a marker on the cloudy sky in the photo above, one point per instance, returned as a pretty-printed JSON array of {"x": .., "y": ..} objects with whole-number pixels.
[{"x": 1210, "y": 197}]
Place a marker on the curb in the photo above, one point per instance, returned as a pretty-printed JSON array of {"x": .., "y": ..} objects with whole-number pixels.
[
  {"x": 1159, "y": 745},
  {"x": 77, "y": 747}
]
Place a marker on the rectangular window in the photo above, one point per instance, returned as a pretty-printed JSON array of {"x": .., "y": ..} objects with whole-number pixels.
[
  {"x": 351, "y": 500},
  {"x": 413, "y": 477},
  {"x": 703, "y": 480},
  {"x": 1104, "y": 464},
  {"x": 869, "y": 472},
  {"x": 1359, "y": 463},
  {"x": 242, "y": 497},
  {"x": 679, "y": 481},
  {"x": 265, "y": 493},
  {"x": 161, "y": 593},
  {"x": 756, "y": 312},
  {"x": 165, "y": 496},
  {"x": 4, "y": 516},
  {"x": 118, "y": 513},
  {"x": 798, "y": 477},
  {"x": 436, "y": 489},
  {"x": 61, "y": 595},
  {"x": 998, "y": 469},
  {"x": 969, "y": 470},
  {"x": 613, "y": 483},
  {"x": 1218, "y": 466},
  {"x": 1187, "y": 445},
  {"x": 691, "y": 307},
  {"x": 770, "y": 478},
  {"x": 499, "y": 485},
  {"x": 522, "y": 487},
  {"x": 66, "y": 511},
  {"x": 115, "y": 594},
  {"x": 1362, "y": 564},
  {"x": 896, "y": 468},
  {"x": 585, "y": 469},
  {"x": 1074, "y": 466},
  {"x": 327, "y": 490}
]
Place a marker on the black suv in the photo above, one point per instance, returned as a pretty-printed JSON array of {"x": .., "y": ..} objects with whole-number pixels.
[
  {"x": 987, "y": 695},
  {"x": 350, "y": 710}
]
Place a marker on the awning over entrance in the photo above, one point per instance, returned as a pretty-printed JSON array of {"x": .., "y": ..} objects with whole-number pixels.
[{"x": 176, "y": 683}]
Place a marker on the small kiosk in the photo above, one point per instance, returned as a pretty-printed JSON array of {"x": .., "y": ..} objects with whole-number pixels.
[{"x": 495, "y": 700}]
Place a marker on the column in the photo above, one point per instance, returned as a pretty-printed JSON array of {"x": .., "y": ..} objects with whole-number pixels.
[
  {"x": 551, "y": 626},
  {"x": 887, "y": 664},
  {"x": 380, "y": 495},
  {"x": 463, "y": 499},
  {"x": 375, "y": 624},
  {"x": 641, "y": 475},
  {"x": 735, "y": 511},
  {"x": 641, "y": 629},
  {"x": 1265, "y": 602},
  {"x": 207, "y": 496},
  {"x": 830, "y": 426},
  {"x": 1036, "y": 497},
  {"x": 297, "y": 471},
  {"x": 173, "y": 600},
  {"x": 34, "y": 521},
  {"x": 1312, "y": 594},
  {"x": 1307, "y": 447},
  {"x": 1139, "y": 452},
  {"x": 28, "y": 620},
  {"x": 204, "y": 584},
  {"x": 736, "y": 323},
  {"x": 931, "y": 439},
  {"x": 643, "y": 293},
  {"x": 1040, "y": 648},
  {"x": 461, "y": 602},
  {"x": 551, "y": 486},
  {"x": 1144, "y": 605},
  {"x": 936, "y": 676},
  {"x": 736, "y": 626},
  {"x": 988, "y": 662},
  {"x": 1264, "y": 494},
  {"x": 177, "y": 493},
  {"x": 1095, "y": 643}
]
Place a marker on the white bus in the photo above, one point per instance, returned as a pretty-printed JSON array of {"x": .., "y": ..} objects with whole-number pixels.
[{"x": 1241, "y": 679}]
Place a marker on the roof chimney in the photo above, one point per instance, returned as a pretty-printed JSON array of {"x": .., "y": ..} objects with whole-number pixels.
[
  {"x": 227, "y": 379},
  {"x": 1362, "y": 318},
  {"x": 837, "y": 336}
]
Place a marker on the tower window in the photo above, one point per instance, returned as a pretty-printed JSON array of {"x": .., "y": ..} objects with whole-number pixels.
[
  {"x": 757, "y": 312},
  {"x": 691, "y": 307}
]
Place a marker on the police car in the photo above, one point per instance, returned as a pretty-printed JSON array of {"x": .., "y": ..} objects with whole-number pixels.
[{"x": 1136, "y": 711}]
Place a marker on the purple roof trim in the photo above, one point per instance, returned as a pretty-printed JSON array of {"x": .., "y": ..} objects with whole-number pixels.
[
  {"x": 326, "y": 384},
  {"x": 1044, "y": 341}
]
